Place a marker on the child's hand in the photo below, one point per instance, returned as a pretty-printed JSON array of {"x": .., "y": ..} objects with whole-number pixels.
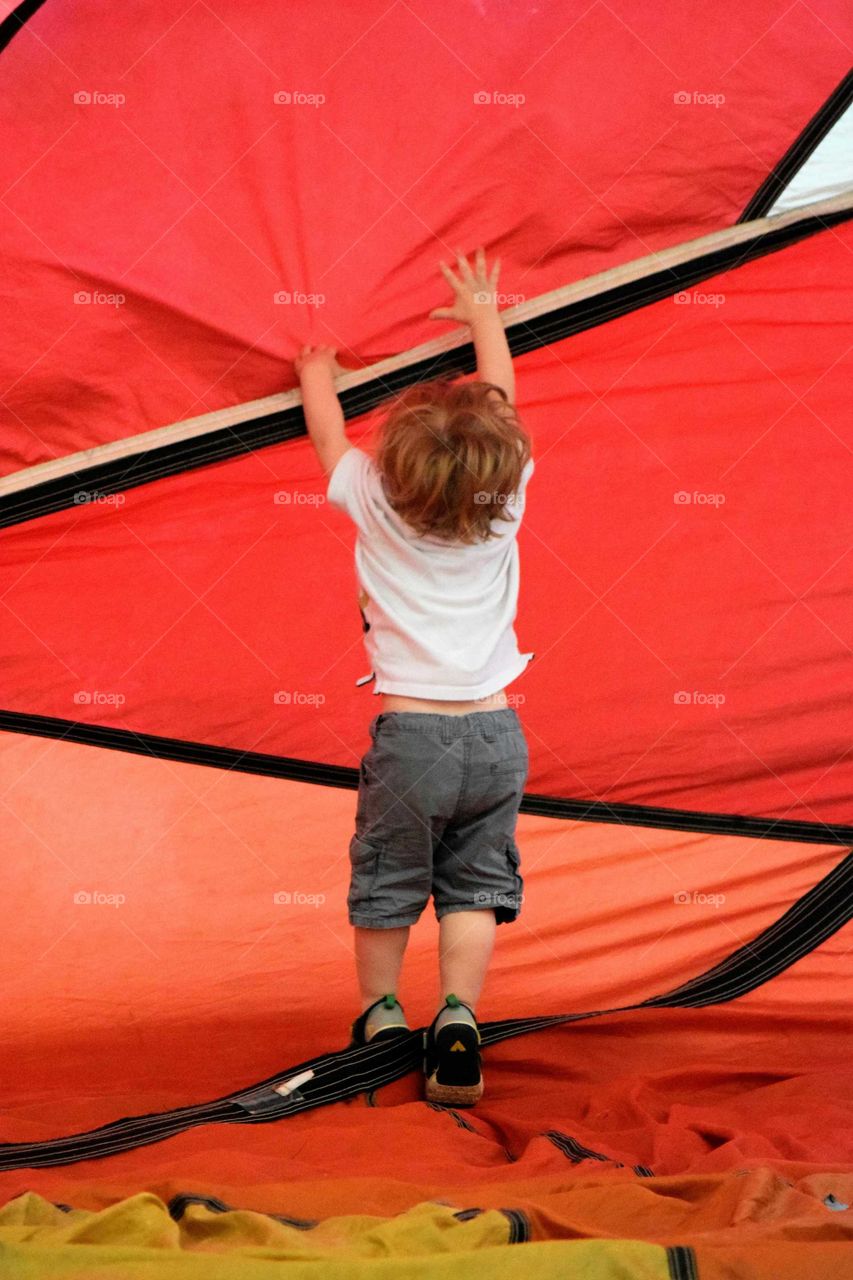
[
  {"x": 474, "y": 290},
  {"x": 317, "y": 358}
]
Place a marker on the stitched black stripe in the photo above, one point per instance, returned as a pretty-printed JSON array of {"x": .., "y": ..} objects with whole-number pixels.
[
  {"x": 179, "y": 1204},
  {"x": 12, "y": 23},
  {"x": 746, "y": 969},
  {"x": 356, "y": 1070},
  {"x": 822, "y": 911},
  {"x": 518, "y": 1222},
  {"x": 460, "y": 1121},
  {"x": 575, "y": 1151},
  {"x": 730, "y": 824},
  {"x": 332, "y": 775},
  {"x": 810, "y": 921},
  {"x": 465, "y": 1215},
  {"x": 682, "y": 1262},
  {"x": 519, "y": 1226},
  {"x": 783, "y": 173},
  {"x": 770, "y": 953},
  {"x": 151, "y": 744},
  {"x": 231, "y": 442}
]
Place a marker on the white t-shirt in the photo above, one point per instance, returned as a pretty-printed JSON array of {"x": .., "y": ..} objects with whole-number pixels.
[{"x": 440, "y": 614}]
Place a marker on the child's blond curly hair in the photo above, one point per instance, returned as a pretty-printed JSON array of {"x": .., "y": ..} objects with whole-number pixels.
[{"x": 451, "y": 456}]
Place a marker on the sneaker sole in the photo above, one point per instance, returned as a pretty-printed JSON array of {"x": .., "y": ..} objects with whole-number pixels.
[{"x": 453, "y": 1095}]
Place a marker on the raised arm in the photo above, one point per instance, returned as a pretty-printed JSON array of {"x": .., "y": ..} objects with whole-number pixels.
[
  {"x": 475, "y": 304},
  {"x": 317, "y": 368}
]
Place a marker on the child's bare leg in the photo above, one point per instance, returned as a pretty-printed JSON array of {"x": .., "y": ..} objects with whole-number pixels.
[
  {"x": 378, "y": 960},
  {"x": 466, "y": 939}
]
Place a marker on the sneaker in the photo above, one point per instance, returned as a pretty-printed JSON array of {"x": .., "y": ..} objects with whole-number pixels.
[
  {"x": 452, "y": 1058},
  {"x": 393, "y": 1018}
]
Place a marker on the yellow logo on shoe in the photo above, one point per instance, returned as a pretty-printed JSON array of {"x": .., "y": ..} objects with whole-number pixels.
[{"x": 458, "y": 1047}]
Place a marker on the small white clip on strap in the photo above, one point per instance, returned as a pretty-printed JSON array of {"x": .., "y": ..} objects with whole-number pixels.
[{"x": 290, "y": 1086}]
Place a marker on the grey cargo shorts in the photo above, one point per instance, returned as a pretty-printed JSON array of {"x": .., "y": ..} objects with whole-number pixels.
[{"x": 438, "y": 799}]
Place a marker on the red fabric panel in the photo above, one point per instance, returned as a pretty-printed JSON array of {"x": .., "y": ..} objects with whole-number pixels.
[
  {"x": 198, "y": 198},
  {"x": 198, "y": 983},
  {"x": 184, "y": 608}
]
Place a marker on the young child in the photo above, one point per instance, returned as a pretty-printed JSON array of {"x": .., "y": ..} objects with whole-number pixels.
[{"x": 437, "y": 515}]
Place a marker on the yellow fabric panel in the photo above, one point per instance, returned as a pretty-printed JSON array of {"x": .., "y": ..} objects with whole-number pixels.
[{"x": 128, "y": 1240}]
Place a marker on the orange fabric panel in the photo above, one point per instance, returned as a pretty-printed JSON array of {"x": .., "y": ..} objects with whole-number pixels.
[
  {"x": 198, "y": 983},
  {"x": 198, "y": 855}
]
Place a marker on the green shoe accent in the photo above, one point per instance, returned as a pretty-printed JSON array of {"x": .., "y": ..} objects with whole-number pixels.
[
  {"x": 453, "y": 1001},
  {"x": 390, "y": 1000}
]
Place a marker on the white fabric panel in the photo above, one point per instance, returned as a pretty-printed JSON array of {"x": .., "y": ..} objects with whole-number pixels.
[{"x": 827, "y": 172}]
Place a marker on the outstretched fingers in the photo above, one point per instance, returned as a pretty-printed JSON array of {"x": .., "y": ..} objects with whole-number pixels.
[
  {"x": 465, "y": 271},
  {"x": 456, "y": 285}
]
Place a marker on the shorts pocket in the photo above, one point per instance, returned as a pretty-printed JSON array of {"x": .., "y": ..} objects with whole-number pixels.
[
  {"x": 515, "y": 760},
  {"x": 509, "y": 778},
  {"x": 509, "y": 768},
  {"x": 362, "y": 853},
  {"x": 364, "y": 861}
]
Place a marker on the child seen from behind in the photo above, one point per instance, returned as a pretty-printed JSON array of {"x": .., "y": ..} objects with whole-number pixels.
[{"x": 437, "y": 513}]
